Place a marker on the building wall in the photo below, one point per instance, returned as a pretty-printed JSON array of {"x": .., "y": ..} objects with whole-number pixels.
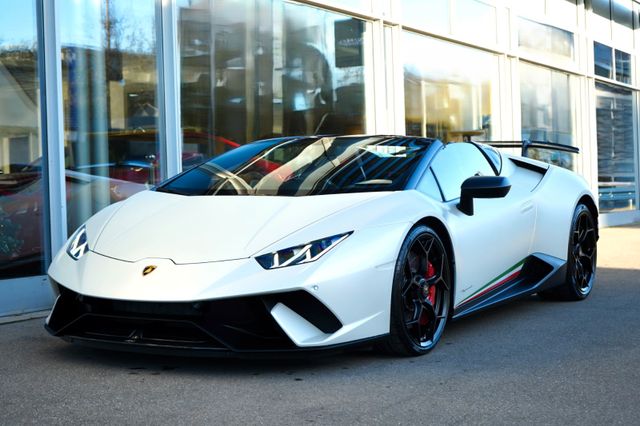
[{"x": 102, "y": 99}]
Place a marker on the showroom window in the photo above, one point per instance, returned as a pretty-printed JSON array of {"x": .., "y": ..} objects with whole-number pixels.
[
  {"x": 617, "y": 184},
  {"x": 547, "y": 109},
  {"x": 273, "y": 68},
  {"x": 451, "y": 93},
  {"x": 22, "y": 199},
  {"x": 109, "y": 86}
]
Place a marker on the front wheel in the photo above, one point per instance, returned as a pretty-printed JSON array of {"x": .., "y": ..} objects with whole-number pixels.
[
  {"x": 421, "y": 294},
  {"x": 581, "y": 260}
]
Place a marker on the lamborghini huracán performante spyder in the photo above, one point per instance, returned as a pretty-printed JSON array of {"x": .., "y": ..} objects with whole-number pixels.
[{"x": 313, "y": 243}]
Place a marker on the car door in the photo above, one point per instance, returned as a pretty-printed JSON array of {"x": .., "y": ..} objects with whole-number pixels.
[{"x": 490, "y": 245}]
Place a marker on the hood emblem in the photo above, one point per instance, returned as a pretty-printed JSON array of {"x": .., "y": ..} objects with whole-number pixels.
[{"x": 148, "y": 269}]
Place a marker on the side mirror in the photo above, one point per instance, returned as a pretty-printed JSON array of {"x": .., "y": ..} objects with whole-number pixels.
[{"x": 481, "y": 187}]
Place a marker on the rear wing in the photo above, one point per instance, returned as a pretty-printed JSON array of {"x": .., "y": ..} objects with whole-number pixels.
[{"x": 526, "y": 144}]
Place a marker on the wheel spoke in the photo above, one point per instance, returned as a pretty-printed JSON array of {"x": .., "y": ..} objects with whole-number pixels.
[
  {"x": 417, "y": 313},
  {"x": 587, "y": 269},
  {"x": 583, "y": 228},
  {"x": 580, "y": 274},
  {"x": 428, "y": 311},
  {"x": 406, "y": 286},
  {"x": 426, "y": 247},
  {"x": 438, "y": 281}
]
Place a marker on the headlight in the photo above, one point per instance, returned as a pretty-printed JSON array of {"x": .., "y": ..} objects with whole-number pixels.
[
  {"x": 298, "y": 255},
  {"x": 78, "y": 245}
]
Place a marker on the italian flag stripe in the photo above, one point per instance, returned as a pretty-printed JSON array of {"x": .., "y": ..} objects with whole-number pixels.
[{"x": 504, "y": 277}]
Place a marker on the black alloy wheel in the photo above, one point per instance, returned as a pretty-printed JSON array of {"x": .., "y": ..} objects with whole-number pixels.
[
  {"x": 581, "y": 260},
  {"x": 421, "y": 294}
]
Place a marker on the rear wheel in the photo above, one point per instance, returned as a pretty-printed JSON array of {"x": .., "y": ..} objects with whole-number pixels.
[
  {"x": 421, "y": 294},
  {"x": 581, "y": 260}
]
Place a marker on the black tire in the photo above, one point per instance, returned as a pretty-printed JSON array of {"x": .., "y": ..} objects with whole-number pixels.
[
  {"x": 581, "y": 259},
  {"x": 420, "y": 296}
]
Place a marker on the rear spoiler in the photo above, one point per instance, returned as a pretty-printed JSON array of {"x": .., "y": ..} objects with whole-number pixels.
[{"x": 526, "y": 144}]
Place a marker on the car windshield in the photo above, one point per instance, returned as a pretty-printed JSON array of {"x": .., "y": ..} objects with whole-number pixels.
[{"x": 305, "y": 166}]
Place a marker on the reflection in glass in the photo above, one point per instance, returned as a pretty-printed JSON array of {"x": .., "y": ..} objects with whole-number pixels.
[
  {"x": 623, "y": 67},
  {"x": 547, "y": 111},
  {"x": 616, "y": 167},
  {"x": 449, "y": 91},
  {"x": 432, "y": 15},
  {"x": 475, "y": 19},
  {"x": 22, "y": 208},
  {"x": 545, "y": 40},
  {"x": 257, "y": 69},
  {"x": 110, "y": 106},
  {"x": 603, "y": 60},
  {"x": 601, "y": 7},
  {"x": 623, "y": 12},
  {"x": 604, "y": 65}
]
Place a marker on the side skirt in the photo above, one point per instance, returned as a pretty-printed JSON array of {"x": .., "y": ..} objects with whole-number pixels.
[{"x": 539, "y": 272}]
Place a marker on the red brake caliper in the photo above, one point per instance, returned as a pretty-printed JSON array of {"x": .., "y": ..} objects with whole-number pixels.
[{"x": 431, "y": 272}]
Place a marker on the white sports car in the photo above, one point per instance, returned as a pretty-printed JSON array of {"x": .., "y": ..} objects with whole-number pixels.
[{"x": 315, "y": 243}]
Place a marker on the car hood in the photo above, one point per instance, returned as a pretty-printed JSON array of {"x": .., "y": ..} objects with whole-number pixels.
[{"x": 195, "y": 229}]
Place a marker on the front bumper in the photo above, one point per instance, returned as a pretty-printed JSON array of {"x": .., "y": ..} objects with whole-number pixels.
[{"x": 243, "y": 325}]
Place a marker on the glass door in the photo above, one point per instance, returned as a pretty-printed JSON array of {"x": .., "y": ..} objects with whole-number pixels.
[
  {"x": 24, "y": 211},
  {"x": 22, "y": 207},
  {"x": 111, "y": 112}
]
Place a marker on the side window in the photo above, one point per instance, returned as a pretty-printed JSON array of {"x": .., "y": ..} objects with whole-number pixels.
[
  {"x": 429, "y": 186},
  {"x": 457, "y": 162}
]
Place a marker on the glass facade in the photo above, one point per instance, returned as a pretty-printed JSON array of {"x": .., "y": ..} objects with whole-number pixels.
[
  {"x": 617, "y": 170},
  {"x": 259, "y": 69},
  {"x": 445, "y": 98},
  {"x": 547, "y": 110},
  {"x": 545, "y": 40},
  {"x": 22, "y": 200},
  {"x": 89, "y": 117}
]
